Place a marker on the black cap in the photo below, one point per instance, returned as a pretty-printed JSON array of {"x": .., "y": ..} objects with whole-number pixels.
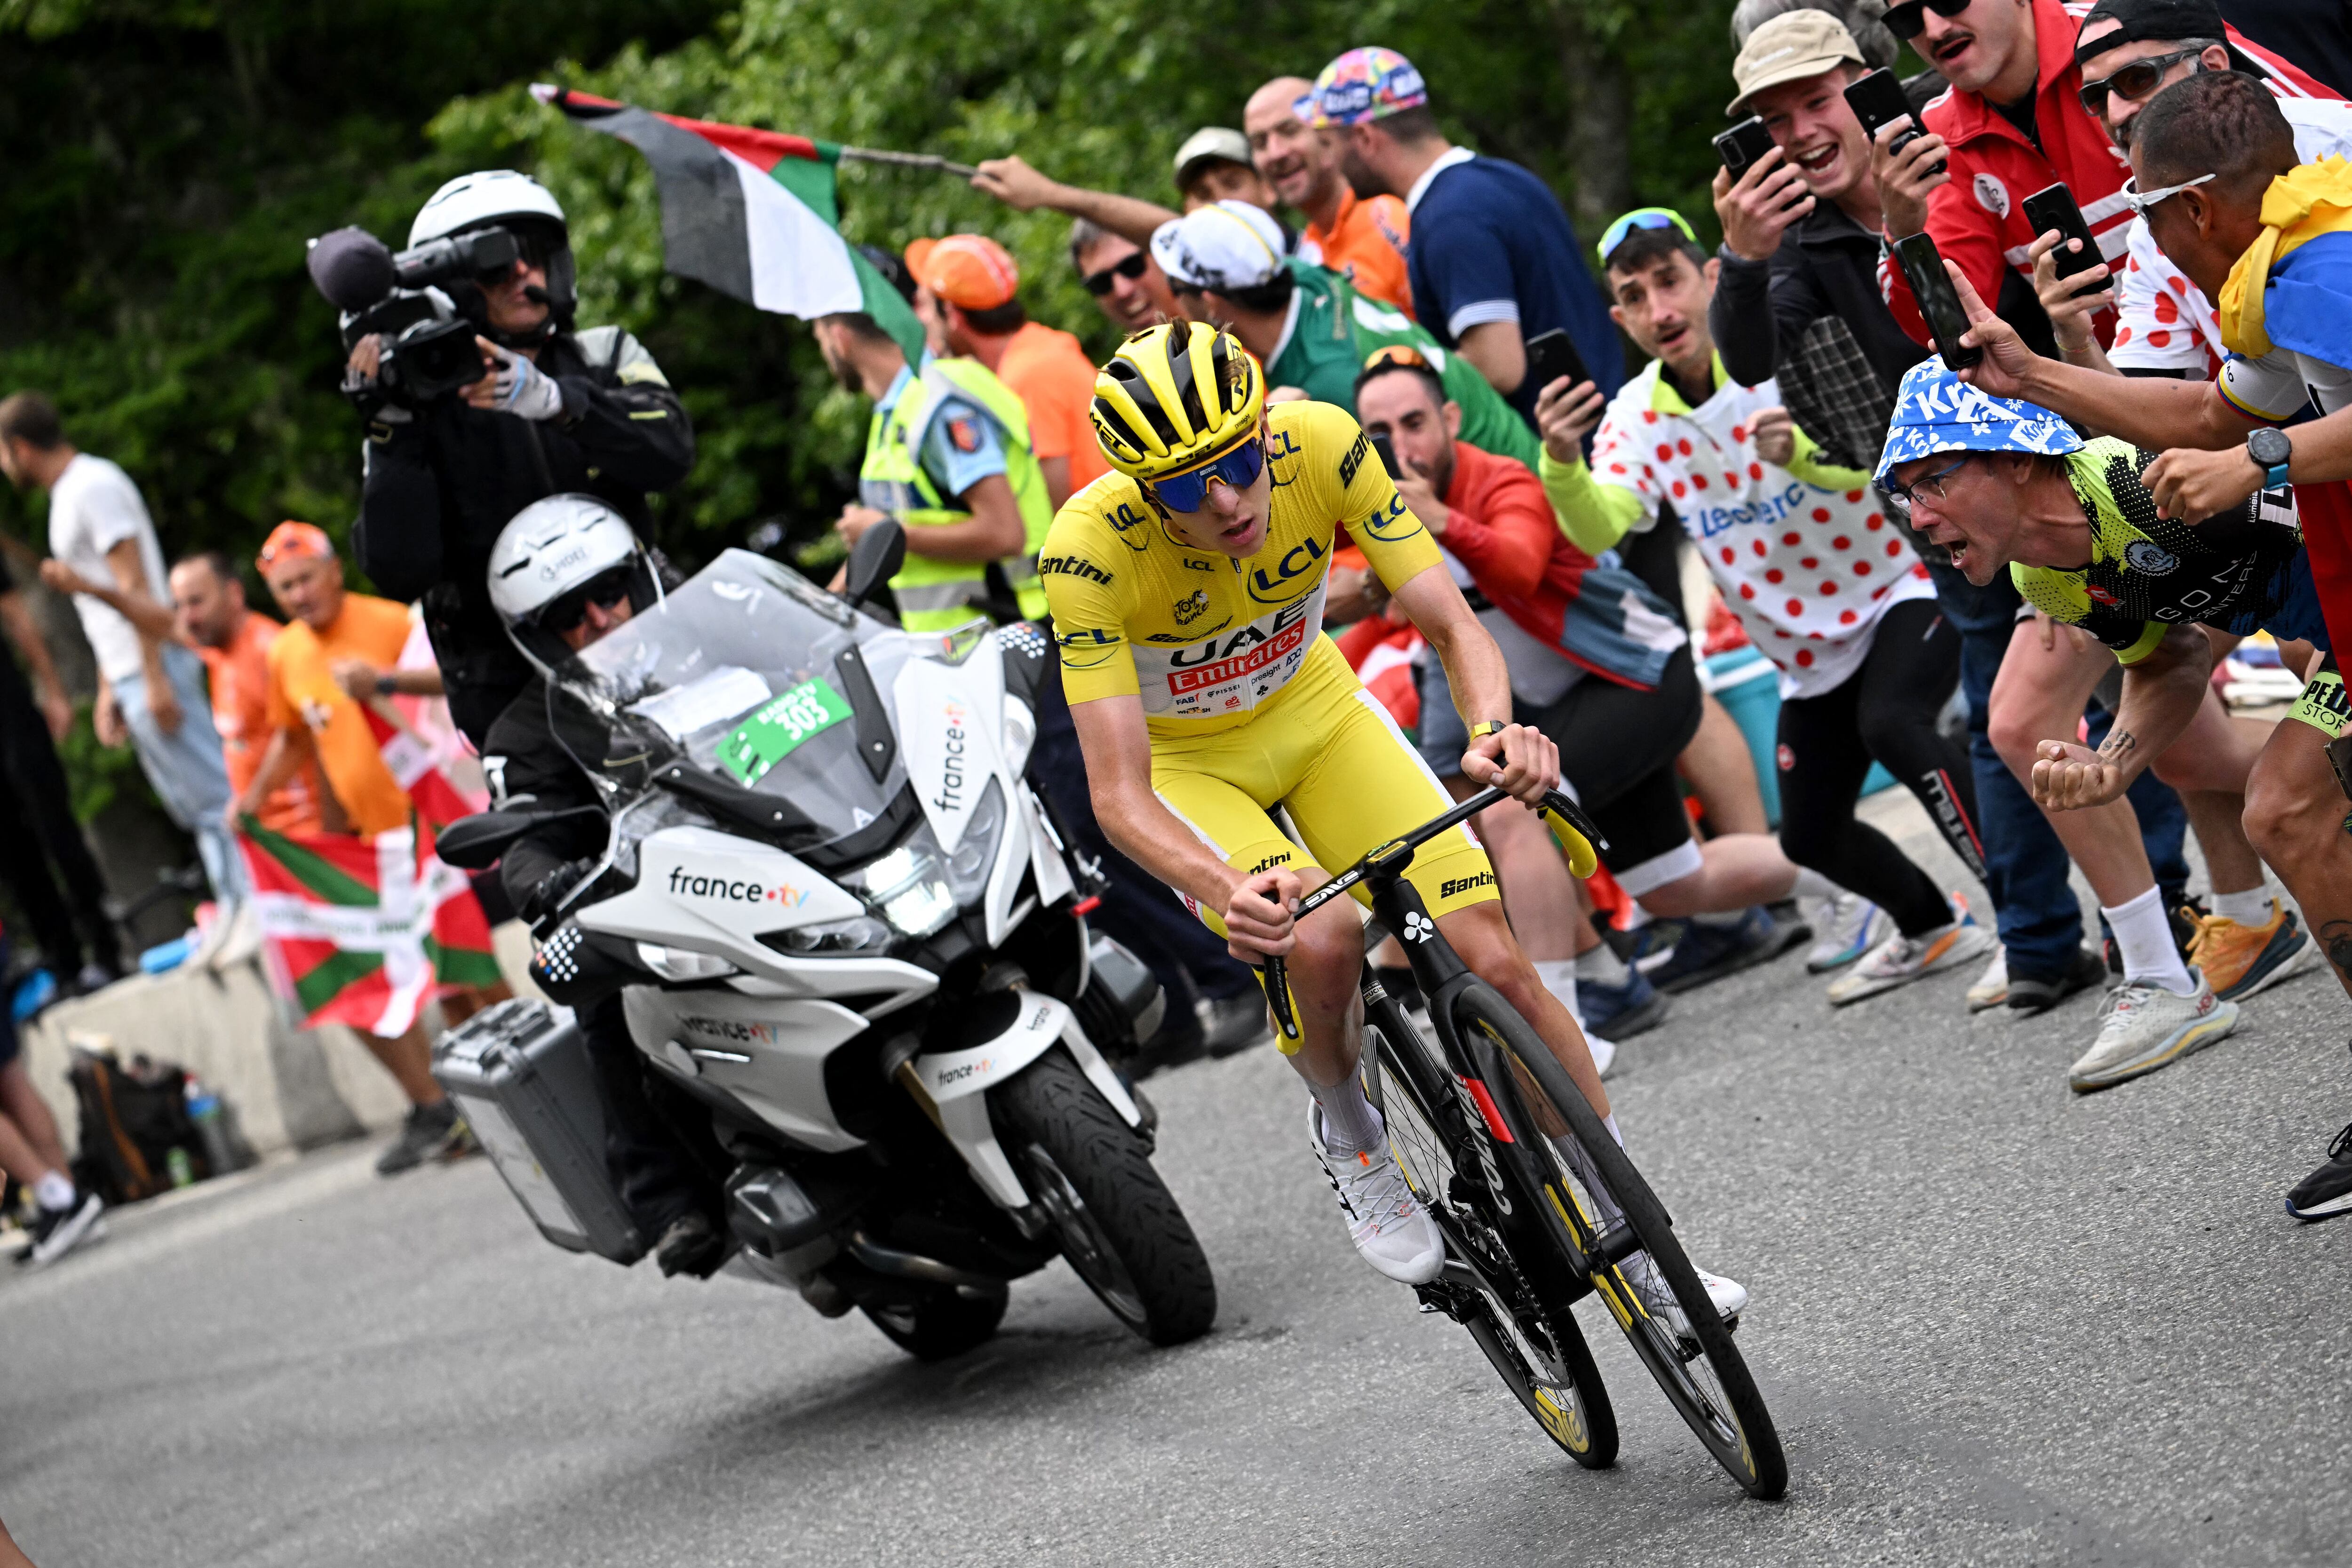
[
  {"x": 351, "y": 268},
  {"x": 2160, "y": 19}
]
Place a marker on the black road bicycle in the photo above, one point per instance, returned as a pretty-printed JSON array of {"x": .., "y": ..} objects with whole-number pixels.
[{"x": 1539, "y": 1206}]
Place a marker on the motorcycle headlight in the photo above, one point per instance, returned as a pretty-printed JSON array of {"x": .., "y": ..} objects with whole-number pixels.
[
  {"x": 908, "y": 886},
  {"x": 857, "y": 935},
  {"x": 975, "y": 853}
]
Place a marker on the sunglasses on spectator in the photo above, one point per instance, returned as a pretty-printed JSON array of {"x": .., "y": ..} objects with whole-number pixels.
[
  {"x": 1101, "y": 283},
  {"x": 1930, "y": 485},
  {"x": 1641, "y": 217},
  {"x": 605, "y": 590},
  {"x": 2135, "y": 80},
  {"x": 1189, "y": 491},
  {"x": 1908, "y": 20},
  {"x": 2140, "y": 201}
]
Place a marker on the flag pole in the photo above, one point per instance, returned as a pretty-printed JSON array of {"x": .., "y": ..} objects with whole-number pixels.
[{"x": 931, "y": 161}]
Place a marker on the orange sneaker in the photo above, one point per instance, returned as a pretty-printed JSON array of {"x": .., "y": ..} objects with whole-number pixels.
[{"x": 2241, "y": 960}]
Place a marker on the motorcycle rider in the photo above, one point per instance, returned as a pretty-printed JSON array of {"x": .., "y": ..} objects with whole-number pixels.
[
  {"x": 564, "y": 573},
  {"x": 561, "y": 411}
]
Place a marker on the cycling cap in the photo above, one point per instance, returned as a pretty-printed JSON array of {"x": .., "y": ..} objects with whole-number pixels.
[
  {"x": 966, "y": 270},
  {"x": 1175, "y": 396},
  {"x": 1936, "y": 411},
  {"x": 1225, "y": 246},
  {"x": 1362, "y": 86},
  {"x": 292, "y": 540}
]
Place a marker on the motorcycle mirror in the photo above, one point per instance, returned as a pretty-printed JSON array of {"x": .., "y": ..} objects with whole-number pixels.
[
  {"x": 475, "y": 843},
  {"x": 873, "y": 560}
]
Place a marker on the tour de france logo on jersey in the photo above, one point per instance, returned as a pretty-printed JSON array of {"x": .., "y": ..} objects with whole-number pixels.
[{"x": 2147, "y": 556}]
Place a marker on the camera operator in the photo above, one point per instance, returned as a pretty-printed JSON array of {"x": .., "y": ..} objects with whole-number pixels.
[{"x": 556, "y": 411}]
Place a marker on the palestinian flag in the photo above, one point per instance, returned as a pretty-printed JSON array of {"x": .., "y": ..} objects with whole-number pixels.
[
  {"x": 414, "y": 766},
  {"x": 755, "y": 213},
  {"x": 362, "y": 933}
]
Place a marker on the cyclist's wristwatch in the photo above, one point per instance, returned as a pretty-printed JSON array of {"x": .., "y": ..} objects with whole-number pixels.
[
  {"x": 2272, "y": 452},
  {"x": 1484, "y": 728}
]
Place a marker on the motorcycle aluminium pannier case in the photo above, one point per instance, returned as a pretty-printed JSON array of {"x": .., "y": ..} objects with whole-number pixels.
[{"x": 522, "y": 1078}]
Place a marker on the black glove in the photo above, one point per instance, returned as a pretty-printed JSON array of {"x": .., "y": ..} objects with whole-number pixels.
[{"x": 539, "y": 904}]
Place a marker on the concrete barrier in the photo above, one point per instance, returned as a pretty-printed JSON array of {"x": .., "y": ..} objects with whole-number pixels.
[{"x": 291, "y": 1088}]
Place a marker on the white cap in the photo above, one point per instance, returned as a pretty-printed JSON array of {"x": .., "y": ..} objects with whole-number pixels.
[
  {"x": 1227, "y": 245},
  {"x": 483, "y": 197}
]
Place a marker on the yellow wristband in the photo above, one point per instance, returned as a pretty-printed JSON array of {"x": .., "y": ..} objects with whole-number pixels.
[{"x": 1484, "y": 728}]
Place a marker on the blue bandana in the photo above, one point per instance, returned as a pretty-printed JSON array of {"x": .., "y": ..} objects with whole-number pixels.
[{"x": 1936, "y": 411}]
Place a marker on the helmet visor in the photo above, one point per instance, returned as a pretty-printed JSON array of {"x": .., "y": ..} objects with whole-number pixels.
[{"x": 605, "y": 590}]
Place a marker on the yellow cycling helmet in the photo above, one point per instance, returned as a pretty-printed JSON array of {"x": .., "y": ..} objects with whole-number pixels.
[{"x": 1174, "y": 396}]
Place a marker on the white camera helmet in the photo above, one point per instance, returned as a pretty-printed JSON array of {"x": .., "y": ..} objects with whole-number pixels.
[
  {"x": 554, "y": 548},
  {"x": 503, "y": 198}
]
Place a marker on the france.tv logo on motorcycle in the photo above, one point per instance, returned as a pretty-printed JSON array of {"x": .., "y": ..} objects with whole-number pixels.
[{"x": 681, "y": 881}]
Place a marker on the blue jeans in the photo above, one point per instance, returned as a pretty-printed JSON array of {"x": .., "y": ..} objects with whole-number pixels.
[{"x": 186, "y": 766}]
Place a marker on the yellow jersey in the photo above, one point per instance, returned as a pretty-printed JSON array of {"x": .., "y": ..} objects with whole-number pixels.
[{"x": 1209, "y": 642}]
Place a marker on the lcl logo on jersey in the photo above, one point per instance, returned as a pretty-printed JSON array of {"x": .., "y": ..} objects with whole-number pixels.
[{"x": 1304, "y": 560}]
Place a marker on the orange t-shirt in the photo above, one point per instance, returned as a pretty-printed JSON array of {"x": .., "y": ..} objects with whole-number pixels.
[
  {"x": 1366, "y": 241},
  {"x": 240, "y": 690},
  {"x": 302, "y": 691},
  {"x": 1050, "y": 374}
]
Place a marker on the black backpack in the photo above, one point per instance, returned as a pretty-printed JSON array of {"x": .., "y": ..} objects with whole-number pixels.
[{"x": 132, "y": 1119}]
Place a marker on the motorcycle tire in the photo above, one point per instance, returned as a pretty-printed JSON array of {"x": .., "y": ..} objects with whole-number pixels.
[
  {"x": 947, "y": 1322},
  {"x": 1092, "y": 1176}
]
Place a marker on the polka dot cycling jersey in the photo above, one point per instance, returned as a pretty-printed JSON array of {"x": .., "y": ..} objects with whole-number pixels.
[{"x": 1807, "y": 568}]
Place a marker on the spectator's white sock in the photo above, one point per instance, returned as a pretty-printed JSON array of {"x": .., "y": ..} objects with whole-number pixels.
[
  {"x": 56, "y": 1194},
  {"x": 1722, "y": 920},
  {"x": 1609, "y": 1122},
  {"x": 1350, "y": 1125},
  {"x": 1811, "y": 884},
  {"x": 2251, "y": 908},
  {"x": 1559, "y": 977},
  {"x": 2144, "y": 934},
  {"x": 1602, "y": 966}
]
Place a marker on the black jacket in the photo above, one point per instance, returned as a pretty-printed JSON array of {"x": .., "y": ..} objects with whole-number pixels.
[
  {"x": 443, "y": 482},
  {"x": 1827, "y": 265},
  {"x": 537, "y": 754}
]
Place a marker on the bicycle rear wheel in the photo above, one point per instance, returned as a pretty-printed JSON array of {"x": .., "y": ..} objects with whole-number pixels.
[
  {"x": 1609, "y": 1228},
  {"x": 1533, "y": 1344}
]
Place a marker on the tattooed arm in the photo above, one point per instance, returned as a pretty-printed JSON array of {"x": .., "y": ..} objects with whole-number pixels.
[{"x": 2162, "y": 690}]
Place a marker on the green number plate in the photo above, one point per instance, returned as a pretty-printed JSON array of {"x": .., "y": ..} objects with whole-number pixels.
[{"x": 780, "y": 724}]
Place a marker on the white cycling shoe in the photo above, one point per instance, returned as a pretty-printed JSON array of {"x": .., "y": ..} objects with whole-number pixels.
[
  {"x": 1729, "y": 1296},
  {"x": 1386, "y": 1222}
]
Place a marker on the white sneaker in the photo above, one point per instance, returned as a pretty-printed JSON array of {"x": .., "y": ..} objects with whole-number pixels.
[
  {"x": 1604, "y": 1053},
  {"x": 1729, "y": 1296},
  {"x": 1386, "y": 1222},
  {"x": 1850, "y": 926},
  {"x": 2143, "y": 1027},
  {"x": 1991, "y": 989},
  {"x": 1900, "y": 959}
]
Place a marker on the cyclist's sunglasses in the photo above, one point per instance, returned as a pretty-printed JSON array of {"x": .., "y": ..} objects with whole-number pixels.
[
  {"x": 1189, "y": 491},
  {"x": 1101, "y": 283},
  {"x": 1908, "y": 20},
  {"x": 1641, "y": 217},
  {"x": 2135, "y": 80},
  {"x": 605, "y": 590}
]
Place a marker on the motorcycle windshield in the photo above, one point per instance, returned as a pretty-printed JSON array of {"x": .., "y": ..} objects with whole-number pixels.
[{"x": 739, "y": 678}]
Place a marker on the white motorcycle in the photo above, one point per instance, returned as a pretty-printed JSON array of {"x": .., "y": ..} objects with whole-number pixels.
[{"x": 840, "y": 921}]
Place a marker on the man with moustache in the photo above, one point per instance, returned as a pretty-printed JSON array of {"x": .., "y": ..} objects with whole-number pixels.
[{"x": 1361, "y": 238}]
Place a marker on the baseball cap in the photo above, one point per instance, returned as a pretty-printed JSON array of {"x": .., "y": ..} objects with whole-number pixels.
[
  {"x": 1362, "y": 85},
  {"x": 966, "y": 270},
  {"x": 292, "y": 540},
  {"x": 2163, "y": 20},
  {"x": 1936, "y": 411},
  {"x": 1211, "y": 141},
  {"x": 1224, "y": 246},
  {"x": 1790, "y": 48}
]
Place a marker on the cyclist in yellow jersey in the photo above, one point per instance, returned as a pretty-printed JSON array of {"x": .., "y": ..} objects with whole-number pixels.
[{"x": 1187, "y": 594}]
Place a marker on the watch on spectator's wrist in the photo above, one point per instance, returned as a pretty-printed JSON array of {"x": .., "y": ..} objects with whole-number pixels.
[
  {"x": 2271, "y": 453},
  {"x": 387, "y": 684}
]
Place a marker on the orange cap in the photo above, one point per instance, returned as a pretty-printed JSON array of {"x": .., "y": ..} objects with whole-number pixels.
[
  {"x": 966, "y": 270},
  {"x": 292, "y": 540}
]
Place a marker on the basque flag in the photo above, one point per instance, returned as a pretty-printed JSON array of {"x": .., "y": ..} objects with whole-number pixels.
[{"x": 755, "y": 213}]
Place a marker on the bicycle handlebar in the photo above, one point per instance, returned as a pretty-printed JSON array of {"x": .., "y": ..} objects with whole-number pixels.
[{"x": 1575, "y": 832}]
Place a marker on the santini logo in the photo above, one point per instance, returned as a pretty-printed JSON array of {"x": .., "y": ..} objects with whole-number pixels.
[
  {"x": 682, "y": 881},
  {"x": 1072, "y": 566}
]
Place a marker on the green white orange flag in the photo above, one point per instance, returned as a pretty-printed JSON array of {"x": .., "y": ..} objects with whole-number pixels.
[
  {"x": 363, "y": 932},
  {"x": 755, "y": 213}
]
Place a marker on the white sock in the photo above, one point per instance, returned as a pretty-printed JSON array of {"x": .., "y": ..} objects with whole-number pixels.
[
  {"x": 1722, "y": 920},
  {"x": 1609, "y": 1122},
  {"x": 56, "y": 1194},
  {"x": 1350, "y": 1125},
  {"x": 1559, "y": 977},
  {"x": 1811, "y": 884},
  {"x": 2251, "y": 908},
  {"x": 2144, "y": 934},
  {"x": 1602, "y": 966}
]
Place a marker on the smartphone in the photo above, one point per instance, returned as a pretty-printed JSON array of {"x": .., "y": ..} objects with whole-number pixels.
[
  {"x": 1743, "y": 144},
  {"x": 1552, "y": 355},
  {"x": 1939, "y": 302},
  {"x": 2053, "y": 206},
  {"x": 1386, "y": 450},
  {"x": 1878, "y": 99}
]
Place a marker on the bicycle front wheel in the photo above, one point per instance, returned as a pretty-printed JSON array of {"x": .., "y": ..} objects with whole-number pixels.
[
  {"x": 1532, "y": 1341},
  {"x": 1609, "y": 1228}
]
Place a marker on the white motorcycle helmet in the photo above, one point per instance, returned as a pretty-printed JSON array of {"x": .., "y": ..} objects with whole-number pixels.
[
  {"x": 547, "y": 563},
  {"x": 501, "y": 198}
]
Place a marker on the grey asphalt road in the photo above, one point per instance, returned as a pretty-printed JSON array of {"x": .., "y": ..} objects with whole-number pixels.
[{"x": 1996, "y": 1323}]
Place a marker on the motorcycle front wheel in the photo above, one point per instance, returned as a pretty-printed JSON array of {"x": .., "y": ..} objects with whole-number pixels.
[{"x": 1092, "y": 1176}]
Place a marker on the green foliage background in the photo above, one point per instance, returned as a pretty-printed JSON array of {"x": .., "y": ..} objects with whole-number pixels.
[{"x": 167, "y": 158}]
